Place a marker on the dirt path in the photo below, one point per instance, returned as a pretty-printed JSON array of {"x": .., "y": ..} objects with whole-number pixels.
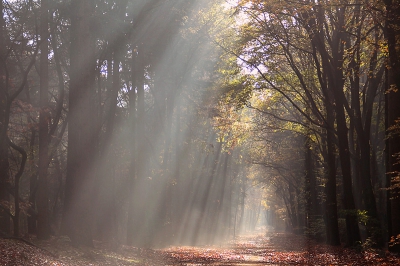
[
  {"x": 248, "y": 250},
  {"x": 262, "y": 249},
  {"x": 276, "y": 249}
]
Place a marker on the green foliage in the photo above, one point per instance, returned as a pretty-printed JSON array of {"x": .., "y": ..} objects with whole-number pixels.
[{"x": 362, "y": 215}]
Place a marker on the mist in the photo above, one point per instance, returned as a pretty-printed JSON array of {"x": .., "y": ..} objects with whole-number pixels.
[
  {"x": 163, "y": 174},
  {"x": 157, "y": 123}
]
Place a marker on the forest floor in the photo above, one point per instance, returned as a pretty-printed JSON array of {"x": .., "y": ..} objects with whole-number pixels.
[{"x": 263, "y": 249}]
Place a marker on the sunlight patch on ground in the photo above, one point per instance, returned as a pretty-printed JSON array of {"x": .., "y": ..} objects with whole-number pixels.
[
  {"x": 245, "y": 250},
  {"x": 127, "y": 259}
]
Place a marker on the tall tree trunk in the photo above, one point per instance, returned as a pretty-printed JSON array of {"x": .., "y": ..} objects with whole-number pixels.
[
  {"x": 361, "y": 120},
  {"x": 314, "y": 23},
  {"x": 4, "y": 165},
  {"x": 292, "y": 206},
  {"x": 136, "y": 118},
  {"x": 104, "y": 195},
  {"x": 393, "y": 114},
  {"x": 43, "y": 224},
  {"x": 332, "y": 83},
  {"x": 205, "y": 197},
  {"x": 353, "y": 235},
  {"x": 311, "y": 204},
  {"x": 17, "y": 178},
  {"x": 336, "y": 83},
  {"x": 82, "y": 130},
  {"x": 32, "y": 227},
  {"x": 331, "y": 216}
]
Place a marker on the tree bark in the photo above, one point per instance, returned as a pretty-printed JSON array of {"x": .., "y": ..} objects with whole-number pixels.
[
  {"x": 331, "y": 216},
  {"x": 43, "y": 224},
  {"x": 82, "y": 135},
  {"x": 136, "y": 118},
  {"x": 333, "y": 82},
  {"x": 393, "y": 114},
  {"x": 4, "y": 165}
]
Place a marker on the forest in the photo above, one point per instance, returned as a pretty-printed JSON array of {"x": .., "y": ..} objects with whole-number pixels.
[{"x": 156, "y": 123}]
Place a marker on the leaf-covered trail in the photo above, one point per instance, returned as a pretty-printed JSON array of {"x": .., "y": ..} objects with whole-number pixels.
[
  {"x": 249, "y": 250},
  {"x": 263, "y": 249},
  {"x": 276, "y": 249}
]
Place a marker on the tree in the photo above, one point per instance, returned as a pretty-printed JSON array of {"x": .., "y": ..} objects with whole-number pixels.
[
  {"x": 4, "y": 165},
  {"x": 295, "y": 73},
  {"x": 393, "y": 113},
  {"x": 44, "y": 117},
  {"x": 82, "y": 129},
  {"x": 313, "y": 55},
  {"x": 16, "y": 63}
]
